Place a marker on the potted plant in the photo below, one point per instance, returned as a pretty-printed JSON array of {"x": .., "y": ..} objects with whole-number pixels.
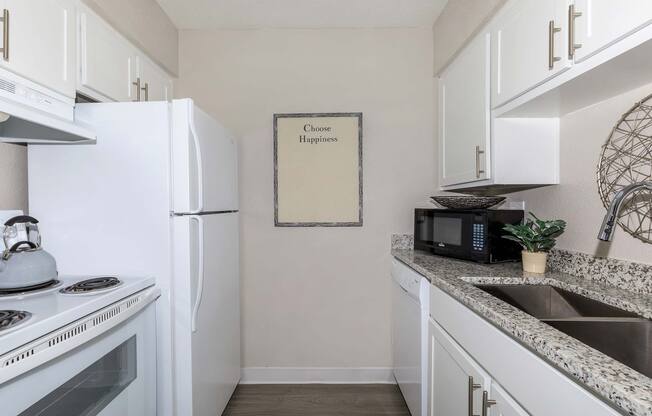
[{"x": 537, "y": 237}]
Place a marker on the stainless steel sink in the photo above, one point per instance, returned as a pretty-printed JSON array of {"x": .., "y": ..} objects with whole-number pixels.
[
  {"x": 622, "y": 335},
  {"x": 626, "y": 340},
  {"x": 549, "y": 302}
]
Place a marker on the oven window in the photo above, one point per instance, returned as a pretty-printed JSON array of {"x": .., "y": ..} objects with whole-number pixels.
[
  {"x": 448, "y": 230},
  {"x": 90, "y": 391}
]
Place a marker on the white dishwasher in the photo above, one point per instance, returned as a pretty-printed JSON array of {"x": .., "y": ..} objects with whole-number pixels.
[{"x": 410, "y": 310}]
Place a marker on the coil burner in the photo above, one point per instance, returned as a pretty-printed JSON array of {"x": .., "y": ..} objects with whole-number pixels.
[
  {"x": 10, "y": 318},
  {"x": 94, "y": 285}
]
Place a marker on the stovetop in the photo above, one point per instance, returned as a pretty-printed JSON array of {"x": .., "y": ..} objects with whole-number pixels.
[{"x": 45, "y": 311}]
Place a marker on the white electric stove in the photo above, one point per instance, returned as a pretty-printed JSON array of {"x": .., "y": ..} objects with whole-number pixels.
[{"x": 86, "y": 345}]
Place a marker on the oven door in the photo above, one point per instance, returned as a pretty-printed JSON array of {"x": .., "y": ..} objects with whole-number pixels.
[{"x": 114, "y": 374}]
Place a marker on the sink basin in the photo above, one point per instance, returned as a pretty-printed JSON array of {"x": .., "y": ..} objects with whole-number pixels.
[
  {"x": 622, "y": 335},
  {"x": 549, "y": 302},
  {"x": 626, "y": 340}
]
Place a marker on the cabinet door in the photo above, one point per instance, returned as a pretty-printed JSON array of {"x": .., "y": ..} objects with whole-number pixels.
[
  {"x": 456, "y": 381},
  {"x": 504, "y": 404},
  {"x": 603, "y": 22},
  {"x": 529, "y": 46},
  {"x": 464, "y": 115},
  {"x": 155, "y": 84},
  {"x": 106, "y": 60},
  {"x": 41, "y": 42}
]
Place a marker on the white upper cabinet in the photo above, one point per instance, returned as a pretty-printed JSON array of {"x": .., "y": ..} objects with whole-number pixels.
[
  {"x": 600, "y": 23},
  {"x": 112, "y": 69},
  {"x": 107, "y": 62},
  {"x": 530, "y": 46},
  {"x": 464, "y": 114},
  {"x": 39, "y": 42},
  {"x": 155, "y": 85}
]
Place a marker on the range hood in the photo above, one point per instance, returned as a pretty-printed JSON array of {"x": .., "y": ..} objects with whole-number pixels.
[{"x": 34, "y": 115}]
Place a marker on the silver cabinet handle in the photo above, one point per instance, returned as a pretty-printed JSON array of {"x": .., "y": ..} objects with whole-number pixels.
[
  {"x": 137, "y": 85},
  {"x": 551, "y": 44},
  {"x": 572, "y": 46},
  {"x": 5, "y": 34},
  {"x": 486, "y": 403},
  {"x": 146, "y": 89},
  {"x": 472, "y": 387},
  {"x": 478, "y": 171}
]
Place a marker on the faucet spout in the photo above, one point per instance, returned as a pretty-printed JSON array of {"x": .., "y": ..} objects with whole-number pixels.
[{"x": 611, "y": 218}]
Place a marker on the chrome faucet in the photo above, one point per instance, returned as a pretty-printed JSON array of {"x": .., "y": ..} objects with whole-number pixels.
[{"x": 609, "y": 223}]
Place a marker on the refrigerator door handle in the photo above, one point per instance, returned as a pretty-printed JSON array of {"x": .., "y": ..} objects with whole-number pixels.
[
  {"x": 200, "y": 169},
  {"x": 200, "y": 272}
]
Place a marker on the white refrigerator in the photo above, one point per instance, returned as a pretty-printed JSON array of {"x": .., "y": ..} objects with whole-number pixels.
[{"x": 157, "y": 195}]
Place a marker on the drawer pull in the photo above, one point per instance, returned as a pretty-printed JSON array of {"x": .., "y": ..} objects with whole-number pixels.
[
  {"x": 551, "y": 44},
  {"x": 478, "y": 171},
  {"x": 137, "y": 85},
  {"x": 572, "y": 46},
  {"x": 472, "y": 387},
  {"x": 5, "y": 34},
  {"x": 146, "y": 89},
  {"x": 486, "y": 403}
]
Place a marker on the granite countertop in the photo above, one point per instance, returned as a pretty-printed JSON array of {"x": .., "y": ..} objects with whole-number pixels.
[{"x": 616, "y": 383}]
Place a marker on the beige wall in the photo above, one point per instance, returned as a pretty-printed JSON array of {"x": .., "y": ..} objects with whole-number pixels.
[
  {"x": 146, "y": 25},
  {"x": 576, "y": 199},
  {"x": 459, "y": 20},
  {"x": 13, "y": 176},
  {"x": 319, "y": 297}
]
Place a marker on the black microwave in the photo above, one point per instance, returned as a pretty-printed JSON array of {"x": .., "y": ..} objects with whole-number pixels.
[{"x": 467, "y": 234}]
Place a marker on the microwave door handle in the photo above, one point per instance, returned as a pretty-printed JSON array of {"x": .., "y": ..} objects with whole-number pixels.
[
  {"x": 200, "y": 272},
  {"x": 200, "y": 169}
]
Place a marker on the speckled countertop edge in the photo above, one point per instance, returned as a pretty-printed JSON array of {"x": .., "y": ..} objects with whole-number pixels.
[{"x": 625, "y": 388}]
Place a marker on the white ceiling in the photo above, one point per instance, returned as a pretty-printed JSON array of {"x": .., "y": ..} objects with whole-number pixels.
[{"x": 236, "y": 14}]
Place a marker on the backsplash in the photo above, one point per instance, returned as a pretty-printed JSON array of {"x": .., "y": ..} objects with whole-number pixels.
[
  {"x": 636, "y": 277},
  {"x": 402, "y": 241}
]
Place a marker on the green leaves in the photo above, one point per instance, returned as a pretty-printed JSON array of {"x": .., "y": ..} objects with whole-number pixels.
[{"x": 536, "y": 235}]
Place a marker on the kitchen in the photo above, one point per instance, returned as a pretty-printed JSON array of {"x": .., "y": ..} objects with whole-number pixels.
[{"x": 316, "y": 303}]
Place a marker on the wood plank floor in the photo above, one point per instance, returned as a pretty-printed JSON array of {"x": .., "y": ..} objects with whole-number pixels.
[{"x": 317, "y": 400}]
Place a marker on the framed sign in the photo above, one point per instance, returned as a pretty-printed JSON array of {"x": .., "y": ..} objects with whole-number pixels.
[{"x": 318, "y": 170}]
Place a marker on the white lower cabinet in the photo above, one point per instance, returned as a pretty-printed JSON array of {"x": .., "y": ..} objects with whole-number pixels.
[
  {"x": 503, "y": 404},
  {"x": 476, "y": 369},
  {"x": 459, "y": 385}
]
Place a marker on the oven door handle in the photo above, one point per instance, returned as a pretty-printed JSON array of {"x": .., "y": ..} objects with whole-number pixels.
[{"x": 200, "y": 272}]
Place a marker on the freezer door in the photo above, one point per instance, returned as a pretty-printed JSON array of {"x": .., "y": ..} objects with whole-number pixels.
[
  {"x": 204, "y": 162},
  {"x": 206, "y": 312}
]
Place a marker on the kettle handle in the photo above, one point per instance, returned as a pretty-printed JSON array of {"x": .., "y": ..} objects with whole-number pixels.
[
  {"x": 15, "y": 247},
  {"x": 20, "y": 219}
]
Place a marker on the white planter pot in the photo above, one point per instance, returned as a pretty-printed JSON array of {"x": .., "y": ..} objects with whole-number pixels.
[{"x": 534, "y": 262}]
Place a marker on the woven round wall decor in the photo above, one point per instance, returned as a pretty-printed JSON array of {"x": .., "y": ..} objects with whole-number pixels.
[{"x": 626, "y": 159}]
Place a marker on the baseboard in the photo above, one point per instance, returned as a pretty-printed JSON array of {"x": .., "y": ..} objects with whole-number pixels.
[{"x": 317, "y": 375}]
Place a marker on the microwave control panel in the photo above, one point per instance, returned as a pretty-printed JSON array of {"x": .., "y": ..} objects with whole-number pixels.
[{"x": 478, "y": 236}]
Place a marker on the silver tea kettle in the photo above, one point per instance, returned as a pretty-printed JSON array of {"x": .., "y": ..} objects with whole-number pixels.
[{"x": 24, "y": 263}]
